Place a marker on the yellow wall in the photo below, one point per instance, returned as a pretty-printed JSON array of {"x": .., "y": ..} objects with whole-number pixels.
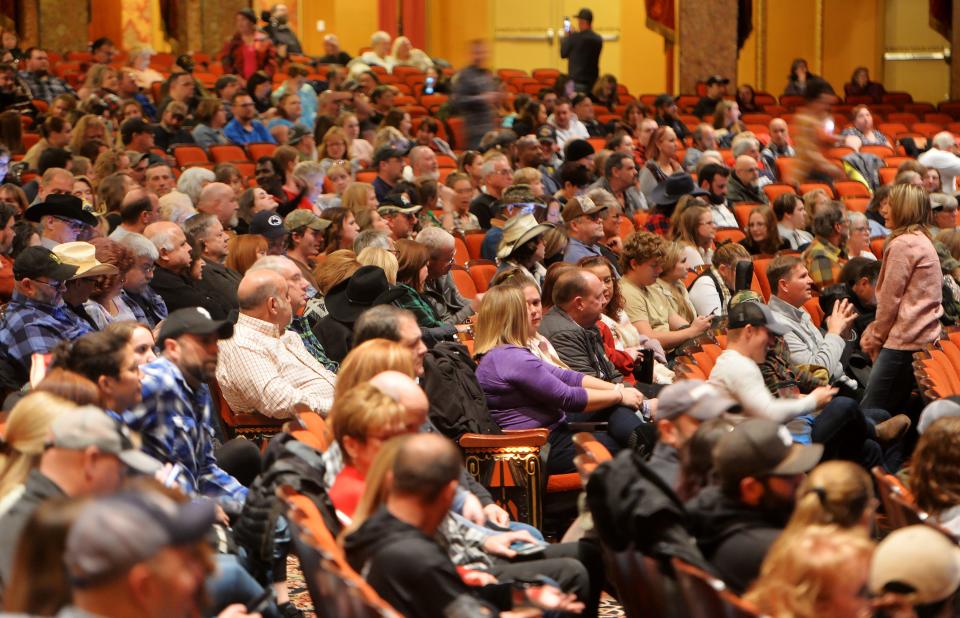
[
  {"x": 643, "y": 60},
  {"x": 452, "y": 25},
  {"x": 909, "y": 29},
  {"x": 851, "y": 38},
  {"x": 353, "y": 21}
]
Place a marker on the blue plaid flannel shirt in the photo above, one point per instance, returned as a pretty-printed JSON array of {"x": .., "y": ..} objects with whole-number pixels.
[
  {"x": 175, "y": 424},
  {"x": 30, "y": 327}
]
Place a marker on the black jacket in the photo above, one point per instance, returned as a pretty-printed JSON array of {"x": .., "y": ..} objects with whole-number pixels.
[
  {"x": 580, "y": 348},
  {"x": 335, "y": 337},
  {"x": 737, "y": 192},
  {"x": 632, "y": 506},
  {"x": 38, "y": 489},
  {"x": 287, "y": 461},
  {"x": 732, "y": 536},
  {"x": 221, "y": 283},
  {"x": 405, "y": 566},
  {"x": 448, "y": 368},
  {"x": 179, "y": 291},
  {"x": 583, "y": 50}
]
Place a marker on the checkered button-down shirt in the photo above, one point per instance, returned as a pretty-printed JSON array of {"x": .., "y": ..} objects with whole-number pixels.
[
  {"x": 262, "y": 371},
  {"x": 30, "y": 327},
  {"x": 47, "y": 87},
  {"x": 824, "y": 262},
  {"x": 175, "y": 423}
]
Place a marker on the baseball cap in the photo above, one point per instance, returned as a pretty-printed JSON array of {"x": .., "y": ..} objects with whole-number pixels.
[
  {"x": 717, "y": 79},
  {"x": 578, "y": 207},
  {"x": 90, "y": 426},
  {"x": 939, "y": 201},
  {"x": 296, "y": 134},
  {"x": 546, "y": 133},
  {"x": 759, "y": 447},
  {"x": 920, "y": 558},
  {"x": 268, "y": 224},
  {"x": 39, "y": 261},
  {"x": 663, "y": 99},
  {"x": 393, "y": 204},
  {"x": 304, "y": 218},
  {"x": 385, "y": 152},
  {"x": 585, "y": 15},
  {"x": 755, "y": 314},
  {"x": 696, "y": 399},
  {"x": 935, "y": 410},
  {"x": 193, "y": 321},
  {"x": 112, "y": 534}
]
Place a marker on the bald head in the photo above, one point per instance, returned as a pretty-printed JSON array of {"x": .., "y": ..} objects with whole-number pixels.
[
  {"x": 427, "y": 468},
  {"x": 55, "y": 180},
  {"x": 402, "y": 389},
  {"x": 263, "y": 295},
  {"x": 219, "y": 199},
  {"x": 746, "y": 171},
  {"x": 423, "y": 161},
  {"x": 779, "y": 134}
]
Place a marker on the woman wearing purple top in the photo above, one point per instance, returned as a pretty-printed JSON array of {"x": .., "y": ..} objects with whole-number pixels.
[{"x": 523, "y": 391}]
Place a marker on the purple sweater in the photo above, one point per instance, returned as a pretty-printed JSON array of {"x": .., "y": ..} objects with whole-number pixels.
[{"x": 524, "y": 392}]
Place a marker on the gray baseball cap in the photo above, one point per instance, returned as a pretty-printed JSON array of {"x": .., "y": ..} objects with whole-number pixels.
[
  {"x": 113, "y": 534},
  {"x": 90, "y": 426},
  {"x": 696, "y": 399}
]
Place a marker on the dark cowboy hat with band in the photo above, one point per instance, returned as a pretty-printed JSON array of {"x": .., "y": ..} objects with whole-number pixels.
[
  {"x": 62, "y": 206},
  {"x": 367, "y": 287},
  {"x": 669, "y": 191}
]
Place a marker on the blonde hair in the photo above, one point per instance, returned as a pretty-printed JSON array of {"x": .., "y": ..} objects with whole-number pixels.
[
  {"x": 909, "y": 209},
  {"x": 501, "y": 320},
  {"x": 360, "y": 410},
  {"x": 354, "y": 196},
  {"x": 800, "y": 572},
  {"x": 834, "y": 493},
  {"x": 375, "y": 256},
  {"x": 370, "y": 358},
  {"x": 527, "y": 176},
  {"x": 334, "y": 268},
  {"x": 25, "y": 435},
  {"x": 673, "y": 253},
  {"x": 687, "y": 222}
]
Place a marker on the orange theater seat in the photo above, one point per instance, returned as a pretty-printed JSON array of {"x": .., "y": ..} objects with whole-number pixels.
[{"x": 777, "y": 189}]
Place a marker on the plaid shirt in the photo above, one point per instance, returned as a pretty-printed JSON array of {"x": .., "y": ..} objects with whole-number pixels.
[
  {"x": 30, "y": 327},
  {"x": 412, "y": 301},
  {"x": 176, "y": 425},
  {"x": 824, "y": 262},
  {"x": 47, "y": 87},
  {"x": 659, "y": 224},
  {"x": 301, "y": 326},
  {"x": 148, "y": 307}
]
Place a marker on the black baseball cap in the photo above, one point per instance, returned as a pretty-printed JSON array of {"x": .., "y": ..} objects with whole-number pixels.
[
  {"x": 385, "y": 152},
  {"x": 585, "y": 15},
  {"x": 759, "y": 447},
  {"x": 39, "y": 261},
  {"x": 193, "y": 321},
  {"x": 546, "y": 133},
  {"x": 717, "y": 79},
  {"x": 755, "y": 314},
  {"x": 268, "y": 224}
]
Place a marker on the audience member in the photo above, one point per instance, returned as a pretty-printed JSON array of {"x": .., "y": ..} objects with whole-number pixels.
[
  {"x": 824, "y": 258},
  {"x": 791, "y": 221}
]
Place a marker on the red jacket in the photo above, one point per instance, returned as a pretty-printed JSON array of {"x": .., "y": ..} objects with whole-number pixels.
[
  {"x": 232, "y": 57},
  {"x": 620, "y": 359}
]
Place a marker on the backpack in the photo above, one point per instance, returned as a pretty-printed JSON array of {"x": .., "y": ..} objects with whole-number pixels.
[{"x": 457, "y": 403}]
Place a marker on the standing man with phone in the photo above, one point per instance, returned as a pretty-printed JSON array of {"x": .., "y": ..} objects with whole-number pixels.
[{"x": 582, "y": 49}]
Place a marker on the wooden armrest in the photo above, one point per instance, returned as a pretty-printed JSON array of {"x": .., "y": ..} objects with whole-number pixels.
[
  {"x": 534, "y": 431},
  {"x": 514, "y": 439}
]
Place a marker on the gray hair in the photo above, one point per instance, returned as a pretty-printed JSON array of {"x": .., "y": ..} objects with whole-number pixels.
[
  {"x": 371, "y": 238},
  {"x": 277, "y": 263},
  {"x": 435, "y": 239},
  {"x": 742, "y": 146},
  {"x": 380, "y": 37},
  {"x": 199, "y": 224},
  {"x": 854, "y": 217},
  {"x": 192, "y": 180},
  {"x": 707, "y": 157},
  {"x": 602, "y": 197},
  {"x": 141, "y": 246},
  {"x": 163, "y": 240},
  {"x": 944, "y": 140},
  {"x": 307, "y": 169},
  {"x": 176, "y": 207},
  {"x": 702, "y": 129},
  {"x": 416, "y": 153},
  {"x": 487, "y": 168}
]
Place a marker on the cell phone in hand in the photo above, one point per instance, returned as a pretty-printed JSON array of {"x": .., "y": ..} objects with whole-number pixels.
[
  {"x": 428, "y": 85},
  {"x": 566, "y": 25},
  {"x": 524, "y": 548}
]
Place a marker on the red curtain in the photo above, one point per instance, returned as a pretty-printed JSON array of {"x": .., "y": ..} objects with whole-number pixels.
[
  {"x": 941, "y": 17},
  {"x": 661, "y": 18},
  {"x": 406, "y": 17}
]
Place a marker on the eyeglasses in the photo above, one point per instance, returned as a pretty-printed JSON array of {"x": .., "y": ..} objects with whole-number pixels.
[
  {"x": 73, "y": 224},
  {"x": 593, "y": 217},
  {"x": 58, "y": 286}
]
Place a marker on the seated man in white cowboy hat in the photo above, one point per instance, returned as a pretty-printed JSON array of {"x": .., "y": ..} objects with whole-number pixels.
[
  {"x": 79, "y": 287},
  {"x": 522, "y": 246}
]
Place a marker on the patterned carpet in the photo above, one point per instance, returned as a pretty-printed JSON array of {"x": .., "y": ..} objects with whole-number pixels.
[{"x": 609, "y": 608}]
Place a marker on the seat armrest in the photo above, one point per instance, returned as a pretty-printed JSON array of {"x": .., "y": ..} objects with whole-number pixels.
[{"x": 513, "y": 439}]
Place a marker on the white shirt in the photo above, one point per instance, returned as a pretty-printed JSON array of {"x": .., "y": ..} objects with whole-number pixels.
[
  {"x": 796, "y": 238},
  {"x": 99, "y": 314},
  {"x": 723, "y": 216},
  {"x": 947, "y": 163},
  {"x": 262, "y": 371},
  {"x": 740, "y": 378},
  {"x": 705, "y": 298},
  {"x": 576, "y": 130}
]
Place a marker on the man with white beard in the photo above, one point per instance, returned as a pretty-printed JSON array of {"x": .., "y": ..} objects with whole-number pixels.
[{"x": 423, "y": 164}]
